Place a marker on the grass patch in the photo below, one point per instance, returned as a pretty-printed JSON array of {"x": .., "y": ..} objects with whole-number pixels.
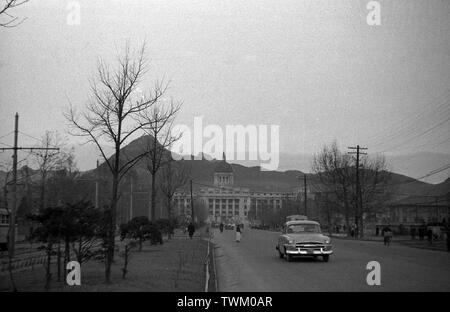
[{"x": 176, "y": 266}]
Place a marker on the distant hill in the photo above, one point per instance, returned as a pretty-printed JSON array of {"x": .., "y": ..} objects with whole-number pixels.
[
  {"x": 202, "y": 172},
  {"x": 413, "y": 165},
  {"x": 253, "y": 177}
]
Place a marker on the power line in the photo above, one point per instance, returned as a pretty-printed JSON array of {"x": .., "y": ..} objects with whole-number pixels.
[
  {"x": 407, "y": 125},
  {"x": 3, "y": 136},
  {"x": 432, "y": 172},
  {"x": 421, "y": 113},
  {"x": 4, "y": 144},
  {"x": 37, "y": 139},
  {"x": 31, "y": 137},
  {"x": 419, "y": 135}
]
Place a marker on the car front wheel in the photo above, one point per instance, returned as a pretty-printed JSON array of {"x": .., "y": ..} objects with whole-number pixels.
[
  {"x": 280, "y": 254},
  {"x": 326, "y": 258},
  {"x": 288, "y": 257}
]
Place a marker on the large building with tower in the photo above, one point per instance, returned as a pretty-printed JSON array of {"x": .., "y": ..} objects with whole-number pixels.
[{"x": 227, "y": 203}]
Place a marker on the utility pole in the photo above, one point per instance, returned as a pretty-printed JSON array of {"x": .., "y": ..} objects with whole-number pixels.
[
  {"x": 304, "y": 196},
  {"x": 12, "y": 218},
  {"x": 12, "y": 214},
  {"x": 358, "y": 201},
  {"x": 192, "y": 205}
]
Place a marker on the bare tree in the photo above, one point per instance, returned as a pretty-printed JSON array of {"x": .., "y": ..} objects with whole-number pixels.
[
  {"x": 158, "y": 125},
  {"x": 5, "y": 183},
  {"x": 374, "y": 178},
  {"x": 174, "y": 176},
  {"x": 49, "y": 161},
  {"x": 8, "y": 5},
  {"x": 7, "y": 168},
  {"x": 113, "y": 115},
  {"x": 337, "y": 174},
  {"x": 333, "y": 169}
]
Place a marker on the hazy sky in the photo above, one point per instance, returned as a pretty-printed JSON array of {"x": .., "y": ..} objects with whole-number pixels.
[{"x": 316, "y": 68}]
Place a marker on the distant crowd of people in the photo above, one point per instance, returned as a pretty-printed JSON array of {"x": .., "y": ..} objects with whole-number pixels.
[{"x": 430, "y": 232}]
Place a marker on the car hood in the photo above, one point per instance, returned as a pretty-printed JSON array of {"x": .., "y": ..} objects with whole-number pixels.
[{"x": 301, "y": 238}]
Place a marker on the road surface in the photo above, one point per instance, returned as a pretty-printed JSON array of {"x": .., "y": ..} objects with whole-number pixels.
[{"x": 254, "y": 265}]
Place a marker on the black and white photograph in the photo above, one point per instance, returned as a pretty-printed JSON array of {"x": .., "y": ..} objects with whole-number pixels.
[{"x": 214, "y": 149}]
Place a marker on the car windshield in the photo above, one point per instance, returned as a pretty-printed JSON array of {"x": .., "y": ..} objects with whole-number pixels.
[{"x": 303, "y": 228}]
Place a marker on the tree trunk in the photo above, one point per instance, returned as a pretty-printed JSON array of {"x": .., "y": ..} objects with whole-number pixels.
[
  {"x": 42, "y": 199},
  {"x": 153, "y": 198},
  {"x": 169, "y": 216},
  {"x": 10, "y": 269},
  {"x": 80, "y": 250},
  {"x": 66, "y": 252},
  {"x": 125, "y": 266},
  {"x": 347, "y": 214},
  {"x": 48, "y": 274},
  {"x": 58, "y": 262},
  {"x": 111, "y": 229}
]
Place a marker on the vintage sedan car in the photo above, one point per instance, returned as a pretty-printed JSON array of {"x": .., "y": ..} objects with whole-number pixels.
[{"x": 303, "y": 238}]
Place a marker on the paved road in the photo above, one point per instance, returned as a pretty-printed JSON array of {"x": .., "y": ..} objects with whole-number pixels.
[{"x": 253, "y": 265}]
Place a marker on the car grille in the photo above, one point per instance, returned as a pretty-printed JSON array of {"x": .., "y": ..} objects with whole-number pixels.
[{"x": 310, "y": 245}]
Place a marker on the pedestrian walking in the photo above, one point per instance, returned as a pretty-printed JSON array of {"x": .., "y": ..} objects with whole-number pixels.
[
  {"x": 421, "y": 233},
  {"x": 430, "y": 236},
  {"x": 238, "y": 233},
  {"x": 413, "y": 233},
  {"x": 221, "y": 227},
  {"x": 191, "y": 230},
  {"x": 387, "y": 235}
]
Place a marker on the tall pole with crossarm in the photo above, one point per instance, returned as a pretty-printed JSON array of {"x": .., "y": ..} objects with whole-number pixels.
[
  {"x": 12, "y": 213},
  {"x": 358, "y": 200}
]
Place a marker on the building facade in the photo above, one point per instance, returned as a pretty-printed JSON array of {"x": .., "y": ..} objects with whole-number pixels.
[{"x": 227, "y": 203}]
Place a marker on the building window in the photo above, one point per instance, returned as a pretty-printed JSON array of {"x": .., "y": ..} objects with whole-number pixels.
[{"x": 4, "y": 219}]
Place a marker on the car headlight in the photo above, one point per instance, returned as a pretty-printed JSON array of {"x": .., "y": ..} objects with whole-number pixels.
[
  {"x": 327, "y": 241},
  {"x": 290, "y": 241}
]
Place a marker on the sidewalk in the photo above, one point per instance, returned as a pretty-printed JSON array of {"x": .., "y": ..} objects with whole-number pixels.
[{"x": 406, "y": 240}]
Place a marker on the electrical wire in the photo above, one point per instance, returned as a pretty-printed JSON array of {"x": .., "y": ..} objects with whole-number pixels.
[{"x": 3, "y": 136}]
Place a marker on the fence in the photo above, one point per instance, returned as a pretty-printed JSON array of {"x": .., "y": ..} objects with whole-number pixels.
[{"x": 22, "y": 264}]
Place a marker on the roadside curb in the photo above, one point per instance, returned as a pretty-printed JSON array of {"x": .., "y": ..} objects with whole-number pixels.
[
  {"x": 207, "y": 265},
  {"x": 210, "y": 257}
]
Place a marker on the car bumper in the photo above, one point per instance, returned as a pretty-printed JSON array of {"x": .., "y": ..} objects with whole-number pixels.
[
  {"x": 301, "y": 251},
  {"x": 308, "y": 252}
]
